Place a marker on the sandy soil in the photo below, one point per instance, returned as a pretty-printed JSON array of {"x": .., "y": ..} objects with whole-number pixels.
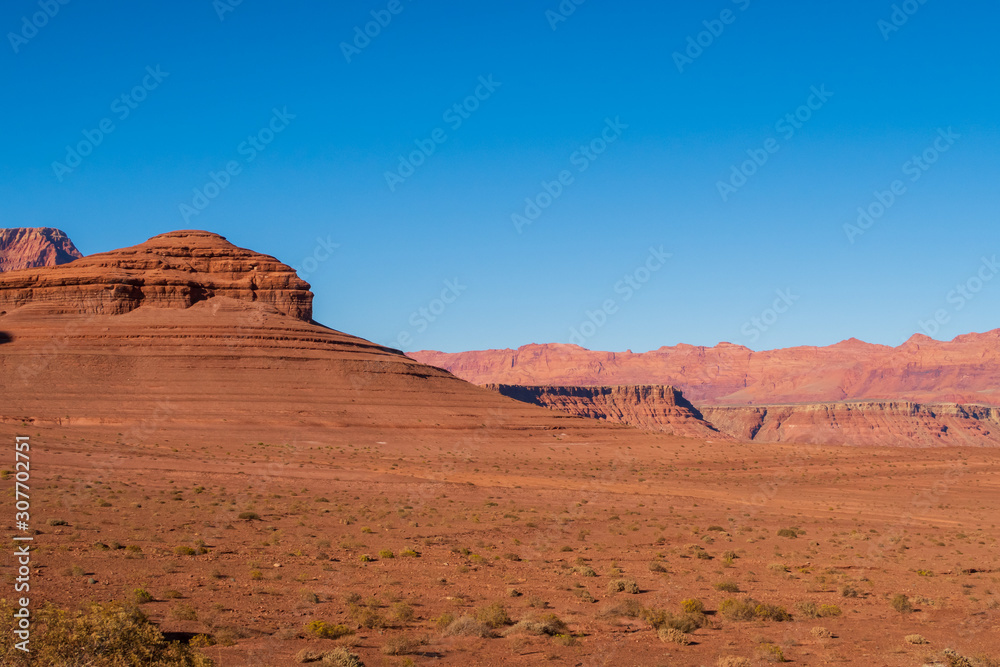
[{"x": 540, "y": 522}]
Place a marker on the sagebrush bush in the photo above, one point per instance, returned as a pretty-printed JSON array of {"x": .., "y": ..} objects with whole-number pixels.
[
  {"x": 749, "y": 610},
  {"x": 100, "y": 635},
  {"x": 493, "y": 615},
  {"x": 324, "y": 630},
  {"x": 902, "y": 604},
  {"x": 673, "y": 636},
  {"x": 623, "y": 586}
]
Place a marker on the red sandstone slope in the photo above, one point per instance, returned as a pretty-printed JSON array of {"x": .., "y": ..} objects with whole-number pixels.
[
  {"x": 188, "y": 331},
  {"x": 964, "y": 370},
  {"x": 29, "y": 247}
]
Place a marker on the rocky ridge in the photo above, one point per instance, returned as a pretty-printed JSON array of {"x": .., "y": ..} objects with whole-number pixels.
[{"x": 32, "y": 247}]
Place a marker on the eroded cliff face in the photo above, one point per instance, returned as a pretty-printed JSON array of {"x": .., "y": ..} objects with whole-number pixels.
[
  {"x": 649, "y": 407},
  {"x": 922, "y": 370},
  {"x": 174, "y": 270},
  {"x": 31, "y": 247},
  {"x": 869, "y": 423}
]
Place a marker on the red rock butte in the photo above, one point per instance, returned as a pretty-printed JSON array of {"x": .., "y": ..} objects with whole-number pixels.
[
  {"x": 189, "y": 330},
  {"x": 30, "y": 247}
]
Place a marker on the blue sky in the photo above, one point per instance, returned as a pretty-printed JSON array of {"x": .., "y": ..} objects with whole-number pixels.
[{"x": 641, "y": 137}]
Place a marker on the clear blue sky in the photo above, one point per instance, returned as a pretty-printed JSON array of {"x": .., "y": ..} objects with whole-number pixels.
[{"x": 552, "y": 91}]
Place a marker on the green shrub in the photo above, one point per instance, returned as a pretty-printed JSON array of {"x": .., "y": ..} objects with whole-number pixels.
[
  {"x": 324, "y": 630},
  {"x": 902, "y": 604},
  {"x": 493, "y": 615},
  {"x": 750, "y": 609},
  {"x": 100, "y": 635},
  {"x": 141, "y": 596},
  {"x": 727, "y": 586},
  {"x": 386, "y": 553},
  {"x": 623, "y": 586},
  {"x": 693, "y": 606},
  {"x": 672, "y": 635}
]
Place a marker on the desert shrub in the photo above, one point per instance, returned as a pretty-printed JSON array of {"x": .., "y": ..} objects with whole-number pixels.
[
  {"x": 627, "y": 608},
  {"x": 444, "y": 620},
  {"x": 545, "y": 624},
  {"x": 733, "y": 661},
  {"x": 308, "y": 596},
  {"x": 57, "y": 522},
  {"x": 693, "y": 606},
  {"x": 915, "y": 639},
  {"x": 493, "y": 615},
  {"x": 771, "y": 653},
  {"x": 100, "y": 635},
  {"x": 341, "y": 657},
  {"x": 367, "y": 616},
  {"x": 401, "y": 646},
  {"x": 184, "y": 551},
  {"x": 902, "y": 604},
  {"x": 402, "y": 612},
  {"x": 585, "y": 571},
  {"x": 565, "y": 640},
  {"x": 141, "y": 596},
  {"x": 623, "y": 586},
  {"x": 184, "y": 612},
  {"x": 829, "y": 611},
  {"x": 409, "y": 553},
  {"x": 749, "y": 610},
  {"x": 727, "y": 586},
  {"x": 171, "y": 594},
  {"x": 386, "y": 553},
  {"x": 788, "y": 532},
  {"x": 249, "y": 516},
  {"x": 673, "y": 636},
  {"x": 324, "y": 630},
  {"x": 717, "y": 529},
  {"x": 686, "y": 622},
  {"x": 366, "y": 558},
  {"x": 848, "y": 591},
  {"x": 467, "y": 626},
  {"x": 821, "y": 632}
]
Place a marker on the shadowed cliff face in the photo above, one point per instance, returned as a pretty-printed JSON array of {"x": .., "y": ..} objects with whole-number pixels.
[
  {"x": 871, "y": 423},
  {"x": 922, "y": 370},
  {"x": 649, "y": 407},
  {"x": 31, "y": 247},
  {"x": 174, "y": 270}
]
